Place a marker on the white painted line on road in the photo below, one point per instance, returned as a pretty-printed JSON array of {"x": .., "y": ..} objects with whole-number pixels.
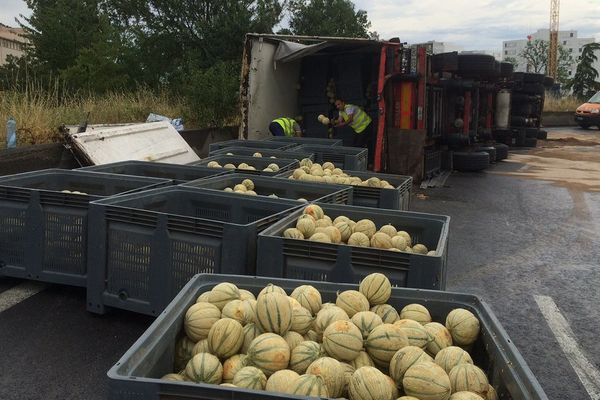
[
  {"x": 585, "y": 370},
  {"x": 17, "y": 294}
]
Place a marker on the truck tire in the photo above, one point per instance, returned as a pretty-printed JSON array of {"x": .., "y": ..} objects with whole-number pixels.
[
  {"x": 501, "y": 151},
  {"x": 530, "y": 142},
  {"x": 531, "y": 132},
  {"x": 470, "y": 161},
  {"x": 517, "y": 120},
  {"x": 506, "y": 69},
  {"x": 476, "y": 64},
  {"x": 533, "y": 89},
  {"x": 542, "y": 135},
  {"x": 522, "y": 109},
  {"x": 528, "y": 77},
  {"x": 548, "y": 81},
  {"x": 491, "y": 150}
]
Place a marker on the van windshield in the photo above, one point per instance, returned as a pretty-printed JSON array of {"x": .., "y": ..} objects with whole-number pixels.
[{"x": 595, "y": 98}]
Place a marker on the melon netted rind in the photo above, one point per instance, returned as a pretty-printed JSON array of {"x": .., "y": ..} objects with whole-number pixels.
[
  {"x": 280, "y": 381},
  {"x": 250, "y": 332},
  {"x": 201, "y": 347},
  {"x": 314, "y": 210},
  {"x": 320, "y": 237},
  {"x": 250, "y": 378},
  {"x": 271, "y": 288},
  {"x": 246, "y": 295},
  {"x": 198, "y": 320},
  {"x": 389, "y": 230},
  {"x": 366, "y": 321},
  {"x": 388, "y": 314},
  {"x": 306, "y": 226},
  {"x": 332, "y": 373},
  {"x": 273, "y": 313},
  {"x": 470, "y": 378},
  {"x": 368, "y": 383},
  {"x": 352, "y": 301},
  {"x": 223, "y": 293},
  {"x": 463, "y": 326},
  {"x": 381, "y": 240},
  {"x": 303, "y": 355},
  {"x": 416, "y": 333},
  {"x": 405, "y": 358},
  {"x": 383, "y": 342},
  {"x": 407, "y": 398},
  {"x": 362, "y": 360},
  {"x": 342, "y": 340},
  {"x": 240, "y": 310},
  {"x": 365, "y": 226},
  {"x": 268, "y": 352},
  {"x": 204, "y": 368},
  {"x": 301, "y": 320},
  {"x": 184, "y": 350},
  {"x": 308, "y": 297},
  {"x": 203, "y": 297},
  {"x": 427, "y": 381},
  {"x": 231, "y": 366},
  {"x": 393, "y": 386},
  {"x": 309, "y": 385},
  {"x": 359, "y": 239},
  {"x": 225, "y": 338},
  {"x": 293, "y": 233},
  {"x": 173, "y": 377},
  {"x": 464, "y": 395},
  {"x": 439, "y": 336},
  {"x": 327, "y": 316},
  {"x": 416, "y": 312},
  {"x": 345, "y": 230},
  {"x": 293, "y": 339},
  {"x": 451, "y": 356},
  {"x": 377, "y": 288}
]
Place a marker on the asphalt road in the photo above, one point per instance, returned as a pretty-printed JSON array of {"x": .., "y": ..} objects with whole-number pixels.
[{"x": 511, "y": 239}]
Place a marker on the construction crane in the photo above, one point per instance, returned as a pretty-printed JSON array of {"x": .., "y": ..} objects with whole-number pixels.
[{"x": 553, "y": 48}]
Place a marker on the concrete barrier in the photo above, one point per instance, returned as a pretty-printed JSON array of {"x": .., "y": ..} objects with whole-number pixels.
[{"x": 558, "y": 118}]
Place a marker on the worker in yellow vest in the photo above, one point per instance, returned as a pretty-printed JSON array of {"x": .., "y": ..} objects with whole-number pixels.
[
  {"x": 285, "y": 127},
  {"x": 357, "y": 119}
]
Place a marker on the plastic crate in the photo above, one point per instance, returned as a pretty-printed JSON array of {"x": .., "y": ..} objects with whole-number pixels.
[
  {"x": 136, "y": 376},
  {"x": 266, "y": 153},
  {"x": 257, "y": 162},
  {"x": 307, "y": 140},
  {"x": 286, "y": 189},
  {"x": 351, "y": 158},
  {"x": 364, "y": 196},
  {"x": 44, "y": 231},
  {"x": 261, "y": 144},
  {"x": 303, "y": 259},
  {"x": 178, "y": 173},
  {"x": 146, "y": 246}
]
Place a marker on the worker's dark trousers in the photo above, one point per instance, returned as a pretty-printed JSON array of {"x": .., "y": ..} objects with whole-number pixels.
[
  {"x": 276, "y": 129},
  {"x": 366, "y": 139}
]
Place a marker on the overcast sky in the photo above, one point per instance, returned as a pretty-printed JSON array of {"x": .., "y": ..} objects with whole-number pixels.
[{"x": 472, "y": 24}]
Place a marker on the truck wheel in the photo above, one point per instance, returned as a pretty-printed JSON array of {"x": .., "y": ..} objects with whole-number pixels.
[
  {"x": 491, "y": 150},
  {"x": 530, "y": 142},
  {"x": 517, "y": 120},
  {"x": 470, "y": 162},
  {"x": 533, "y": 89},
  {"x": 506, "y": 69},
  {"x": 501, "y": 151},
  {"x": 542, "y": 135},
  {"x": 531, "y": 132},
  {"x": 476, "y": 64}
]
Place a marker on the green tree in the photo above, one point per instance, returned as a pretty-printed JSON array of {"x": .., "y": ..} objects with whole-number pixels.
[
  {"x": 584, "y": 83},
  {"x": 536, "y": 56},
  {"x": 327, "y": 18}
]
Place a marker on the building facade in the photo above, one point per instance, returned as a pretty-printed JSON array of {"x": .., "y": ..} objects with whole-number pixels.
[
  {"x": 11, "y": 42},
  {"x": 567, "y": 39}
]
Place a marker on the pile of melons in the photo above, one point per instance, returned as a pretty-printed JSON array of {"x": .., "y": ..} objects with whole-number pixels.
[
  {"x": 243, "y": 166},
  {"x": 247, "y": 187},
  {"x": 328, "y": 173}
]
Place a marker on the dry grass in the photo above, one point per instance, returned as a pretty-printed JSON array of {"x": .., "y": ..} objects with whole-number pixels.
[
  {"x": 39, "y": 113},
  {"x": 566, "y": 103}
]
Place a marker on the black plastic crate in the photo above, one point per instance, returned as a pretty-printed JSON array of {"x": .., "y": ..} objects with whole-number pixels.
[
  {"x": 286, "y": 189},
  {"x": 351, "y": 158},
  {"x": 365, "y": 196},
  {"x": 266, "y": 153},
  {"x": 307, "y": 140},
  {"x": 44, "y": 231},
  {"x": 136, "y": 376},
  {"x": 178, "y": 173},
  {"x": 261, "y": 144},
  {"x": 144, "y": 247},
  {"x": 259, "y": 163},
  {"x": 304, "y": 259}
]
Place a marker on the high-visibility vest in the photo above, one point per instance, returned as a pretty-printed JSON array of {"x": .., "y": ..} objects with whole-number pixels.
[
  {"x": 287, "y": 124},
  {"x": 360, "y": 121}
]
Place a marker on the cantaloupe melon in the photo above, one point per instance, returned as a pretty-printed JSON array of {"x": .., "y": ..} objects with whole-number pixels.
[
  {"x": 250, "y": 378},
  {"x": 273, "y": 313},
  {"x": 416, "y": 312},
  {"x": 302, "y": 320},
  {"x": 465, "y": 396},
  {"x": 332, "y": 373},
  {"x": 427, "y": 381},
  {"x": 320, "y": 237},
  {"x": 184, "y": 350},
  {"x": 352, "y": 301},
  {"x": 303, "y": 355},
  {"x": 342, "y": 340},
  {"x": 231, "y": 366},
  {"x": 246, "y": 295},
  {"x": 348, "y": 371},
  {"x": 439, "y": 337},
  {"x": 393, "y": 386},
  {"x": 270, "y": 288},
  {"x": 341, "y": 218},
  {"x": 322, "y": 223},
  {"x": 451, "y": 356},
  {"x": 416, "y": 333},
  {"x": 470, "y": 378},
  {"x": 225, "y": 338},
  {"x": 327, "y": 316},
  {"x": 240, "y": 188},
  {"x": 173, "y": 377},
  {"x": 248, "y": 183},
  {"x": 359, "y": 239},
  {"x": 269, "y": 353},
  {"x": 399, "y": 242},
  {"x": 309, "y": 385},
  {"x": 363, "y": 360},
  {"x": 201, "y": 347},
  {"x": 344, "y": 229},
  {"x": 365, "y": 226},
  {"x": 407, "y": 237},
  {"x": 308, "y": 297},
  {"x": 313, "y": 336},
  {"x": 491, "y": 393},
  {"x": 293, "y": 339},
  {"x": 280, "y": 381},
  {"x": 198, "y": 320},
  {"x": 383, "y": 342},
  {"x": 388, "y": 314},
  {"x": 314, "y": 211},
  {"x": 376, "y": 288},
  {"x": 306, "y": 162},
  {"x": 334, "y": 234},
  {"x": 463, "y": 326},
  {"x": 298, "y": 172},
  {"x": 203, "y": 297},
  {"x": 405, "y": 358},
  {"x": 366, "y": 321},
  {"x": 240, "y": 310},
  {"x": 306, "y": 226},
  {"x": 368, "y": 383},
  {"x": 389, "y": 230},
  {"x": 204, "y": 368},
  {"x": 293, "y": 233},
  {"x": 249, "y": 332},
  {"x": 381, "y": 240},
  {"x": 420, "y": 249},
  {"x": 223, "y": 293}
]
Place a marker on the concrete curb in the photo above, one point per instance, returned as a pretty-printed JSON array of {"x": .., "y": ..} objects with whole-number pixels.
[{"x": 558, "y": 118}]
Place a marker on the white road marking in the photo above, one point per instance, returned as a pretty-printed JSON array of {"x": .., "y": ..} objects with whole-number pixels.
[
  {"x": 585, "y": 370},
  {"x": 17, "y": 294}
]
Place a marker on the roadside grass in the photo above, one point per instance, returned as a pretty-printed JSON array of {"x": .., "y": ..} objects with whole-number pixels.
[{"x": 565, "y": 103}]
